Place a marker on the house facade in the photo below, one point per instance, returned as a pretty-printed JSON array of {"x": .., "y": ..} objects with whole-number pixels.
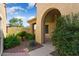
[
  {"x": 47, "y": 14},
  {"x": 3, "y": 18},
  {"x": 2, "y": 26},
  {"x": 45, "y": 19},
  {"x": 44, "y": 24}
]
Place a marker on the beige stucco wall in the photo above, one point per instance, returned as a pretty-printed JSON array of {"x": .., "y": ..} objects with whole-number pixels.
[
  {"x": 3, "y": 15},
  {"x": 42, "y": 8},
  {"x": 51, "y": 27},
  {"x": 32, "y": 22}
]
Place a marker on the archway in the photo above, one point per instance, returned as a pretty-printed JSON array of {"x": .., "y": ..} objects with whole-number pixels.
[{"x": 49, "y": 23}]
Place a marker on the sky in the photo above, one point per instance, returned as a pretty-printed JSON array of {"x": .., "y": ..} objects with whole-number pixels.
[{"x": 25, "y": 11}]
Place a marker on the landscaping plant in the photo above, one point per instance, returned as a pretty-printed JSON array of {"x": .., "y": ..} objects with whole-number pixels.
[
  {"x": 27, "y": 36},
  {"x": 31, "y": 39},
  {"x": 11, "y": 41},
  {"x": 66, "y": 35},
  {"x": 22, "y": 35}
]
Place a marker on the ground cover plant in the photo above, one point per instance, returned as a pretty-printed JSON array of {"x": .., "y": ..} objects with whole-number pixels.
[{"x": 11, "y": 41}]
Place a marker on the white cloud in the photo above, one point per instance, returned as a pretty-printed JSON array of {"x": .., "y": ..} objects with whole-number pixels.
[
  {"x": 13, "y": 10},
  {"x": 30, "y": 5},
  {"x": 31, "y": 17},
  {"x": 17, "y": 7},
  {"x": 21, "y": 17}
]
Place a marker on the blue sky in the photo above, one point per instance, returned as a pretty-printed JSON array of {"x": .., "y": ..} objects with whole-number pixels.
[{"x": 25, "y": 11}]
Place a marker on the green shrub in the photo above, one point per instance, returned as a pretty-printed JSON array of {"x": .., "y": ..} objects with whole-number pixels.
[
  {"x": 66, "y": 35},
  {"x": 30, "y": 37},
  {"x": 25, "y": 35},
  {"x": 11, "y": 41},
  {"x": 22, "y": 34}
]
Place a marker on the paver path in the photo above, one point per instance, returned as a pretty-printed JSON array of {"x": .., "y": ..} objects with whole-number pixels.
[
  {"x": 17, "y": 51},
  {"x": 43, "y": 51}
]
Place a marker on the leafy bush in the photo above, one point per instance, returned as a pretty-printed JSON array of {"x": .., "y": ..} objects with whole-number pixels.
[
  {"x": 25, "y": 35},
  {"x": 30, "y": 37},
  {"x": 11, "y": 41},
  {"x": 66, "y": 35},
  {"x": 22, "y": 35}
]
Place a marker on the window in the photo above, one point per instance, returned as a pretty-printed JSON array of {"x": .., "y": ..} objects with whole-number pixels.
[{"x": 46, "y": 28}]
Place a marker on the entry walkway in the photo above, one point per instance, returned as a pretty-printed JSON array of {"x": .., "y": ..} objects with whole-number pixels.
[{"x": 43, "y": 51}]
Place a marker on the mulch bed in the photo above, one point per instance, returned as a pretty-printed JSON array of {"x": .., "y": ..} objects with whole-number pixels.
[{"x": 22, "y": 46}]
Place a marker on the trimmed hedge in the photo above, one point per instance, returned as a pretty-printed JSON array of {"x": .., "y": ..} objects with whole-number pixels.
[
  {"x": 66, "y": 35},
  {"x": 11, "y": 41}
]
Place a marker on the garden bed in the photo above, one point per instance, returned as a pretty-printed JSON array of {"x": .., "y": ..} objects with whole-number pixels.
[
  {"x": 23, "y": 47},
  {"x": 20, "y": 41}
]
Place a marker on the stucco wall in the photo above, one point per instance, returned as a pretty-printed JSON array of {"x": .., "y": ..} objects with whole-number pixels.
[
  {"x": 42, "y": 8},
  {"x": 15, "y": 30},
  {"x": 51, "y": 27},
  {"x": 32, "y": 22},
  {"x": 3, "y": 21}
]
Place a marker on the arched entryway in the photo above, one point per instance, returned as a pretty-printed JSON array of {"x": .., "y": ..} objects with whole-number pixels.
[{"x": 49, "y": 23}]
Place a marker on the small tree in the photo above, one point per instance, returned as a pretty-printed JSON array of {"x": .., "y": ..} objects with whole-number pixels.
[
  {"x": 66, "y": 35},
  {"x": 16, "y": 22}
]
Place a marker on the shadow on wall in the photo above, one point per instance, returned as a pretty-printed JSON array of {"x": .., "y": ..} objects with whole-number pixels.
[
  {"x": 1, "y": 41},
  {"x": 1, "y": 38}
]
